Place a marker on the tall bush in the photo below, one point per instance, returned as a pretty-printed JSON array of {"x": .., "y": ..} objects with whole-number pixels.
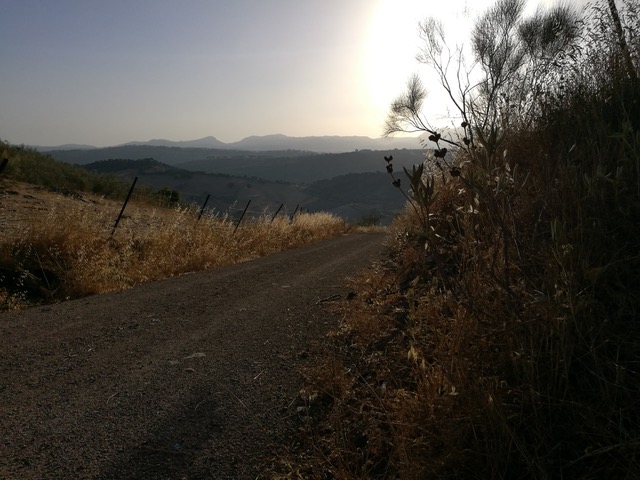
[{"x": 501, "y": 339}]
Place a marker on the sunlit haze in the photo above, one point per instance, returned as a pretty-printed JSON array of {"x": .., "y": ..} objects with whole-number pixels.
[{"x": 105, "y": 73}]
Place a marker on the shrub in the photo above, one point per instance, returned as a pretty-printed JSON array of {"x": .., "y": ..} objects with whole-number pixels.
[{"x": 500, "y": 339}]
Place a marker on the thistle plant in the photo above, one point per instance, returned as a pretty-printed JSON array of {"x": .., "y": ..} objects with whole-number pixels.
[
  {"x": 422, "y": 183},
  {"x": 422, "y": 194}
]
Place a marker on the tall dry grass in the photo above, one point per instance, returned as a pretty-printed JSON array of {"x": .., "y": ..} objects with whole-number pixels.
[
  {"x": 68, "y": 251},
  {"x": 499, "y": 338}
]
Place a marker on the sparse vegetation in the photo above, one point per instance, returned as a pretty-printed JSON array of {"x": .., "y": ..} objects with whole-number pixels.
[
  {"x": 30, "y": 166},
  {"x": 61, "y": 248},
  {"x": 500, "y": 337},
  {"x": 67, "y": 251}
]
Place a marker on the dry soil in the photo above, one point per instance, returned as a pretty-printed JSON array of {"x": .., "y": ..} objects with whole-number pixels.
[{"x": 194, "y": 377}]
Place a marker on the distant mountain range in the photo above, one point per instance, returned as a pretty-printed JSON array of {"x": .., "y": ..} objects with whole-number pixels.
[
  {"x": 343, "y": 175},
  {"x": 321, "y": 144},
  {"x": 274, "y": 165}
]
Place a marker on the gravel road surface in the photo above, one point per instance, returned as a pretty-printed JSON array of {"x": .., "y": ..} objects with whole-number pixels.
[{"x": 193, "y": 377}]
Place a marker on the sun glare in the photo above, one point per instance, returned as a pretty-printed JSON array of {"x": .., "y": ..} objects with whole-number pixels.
[
  {"x": 394, "y": 42},
  {"x": 391, "y": 49}
]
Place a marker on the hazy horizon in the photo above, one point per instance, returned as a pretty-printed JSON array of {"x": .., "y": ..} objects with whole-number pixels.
[
  {"x": 108, "y": 73},
  {"x": 240, "y": 140}
]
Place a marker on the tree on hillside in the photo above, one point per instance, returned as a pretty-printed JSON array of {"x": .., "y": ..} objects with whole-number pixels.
[{"x": 168, "y": 196}]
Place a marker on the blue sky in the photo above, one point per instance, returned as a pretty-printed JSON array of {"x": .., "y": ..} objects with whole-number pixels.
[{"x": 107, "y": 72}]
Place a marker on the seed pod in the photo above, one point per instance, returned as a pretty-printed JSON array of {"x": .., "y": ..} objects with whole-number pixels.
[{"x": 440, "y": 153}]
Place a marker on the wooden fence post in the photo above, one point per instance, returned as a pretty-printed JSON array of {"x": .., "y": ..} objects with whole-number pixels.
[
  {"x": 294, "y": 213},
  {"x": 202, "y": 209},
  {"x": 241, "y": 217},
  {"x": 124, "y": 206},
  {"x": 276, "y": 214}
]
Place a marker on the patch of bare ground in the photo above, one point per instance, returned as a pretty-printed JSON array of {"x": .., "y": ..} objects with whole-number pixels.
[{"x": 22, "y": 203}]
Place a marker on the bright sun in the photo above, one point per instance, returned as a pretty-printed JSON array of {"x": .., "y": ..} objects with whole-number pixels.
[
  {"x": 393, "y": 42},
  {"x": 391, "y": 49}
]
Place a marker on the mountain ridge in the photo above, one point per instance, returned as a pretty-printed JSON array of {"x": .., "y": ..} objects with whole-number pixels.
[{"x": 317, "y": 144}]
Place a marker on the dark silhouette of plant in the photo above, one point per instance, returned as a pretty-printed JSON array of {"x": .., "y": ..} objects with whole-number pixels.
[
  {"x": 622, "y": 40},
  {"x": 422, "y": 193},
  {"x": 516, "y": 58}
]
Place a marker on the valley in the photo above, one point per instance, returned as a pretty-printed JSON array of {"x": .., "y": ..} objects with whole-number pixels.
[{"x": 353, "y": 185}]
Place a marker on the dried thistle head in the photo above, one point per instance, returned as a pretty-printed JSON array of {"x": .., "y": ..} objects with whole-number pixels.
[{"x": 440, "y": 153}]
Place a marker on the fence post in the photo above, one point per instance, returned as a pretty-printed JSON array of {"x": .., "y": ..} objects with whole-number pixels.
[
  {"x": 124, "y": 206},
  {"x": 276, "y": 214},
  {"x": 294, "y": 213},
  {"x": 241, "y": 217},
  {"x": 202, "y": 209},
  {"x": 5, "y": 160}
]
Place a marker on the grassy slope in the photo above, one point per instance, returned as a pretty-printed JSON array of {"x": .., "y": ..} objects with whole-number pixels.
[{"x": 56, "y": 242}]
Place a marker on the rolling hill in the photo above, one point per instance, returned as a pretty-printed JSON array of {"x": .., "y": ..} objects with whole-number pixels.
[
  {"x": 277, "y": 165},
  {"x": 269, "y": 170},
  {"x": 351, "y": 196}
]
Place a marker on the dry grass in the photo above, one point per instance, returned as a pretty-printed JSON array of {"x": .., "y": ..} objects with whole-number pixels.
[
  {"x": 499, "y": 338},
  {"x": 63, "y": 248},
  {"x": 469, "y": 363}
]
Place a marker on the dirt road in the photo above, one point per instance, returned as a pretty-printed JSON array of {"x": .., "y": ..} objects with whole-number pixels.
[{"x": 193, "y": 377}]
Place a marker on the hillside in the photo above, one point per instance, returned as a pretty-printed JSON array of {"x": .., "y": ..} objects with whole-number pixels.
[
  {"x": 351, "y": 196},
  {"x": 305, "y": 168},
  {"x": 277, "y": 165},
  {"x": 165, "y": 154},
  {"x": 352, "y": 185}
]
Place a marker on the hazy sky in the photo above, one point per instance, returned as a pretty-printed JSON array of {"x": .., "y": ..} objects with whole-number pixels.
[{"x": 107, "y": 72}]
